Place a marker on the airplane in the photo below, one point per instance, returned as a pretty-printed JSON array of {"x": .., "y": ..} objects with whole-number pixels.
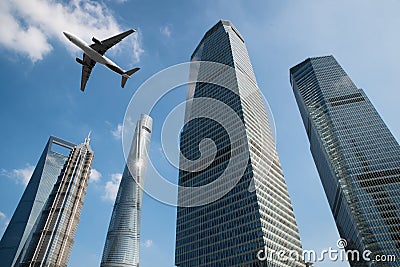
[{"x": 95, "y": 53}]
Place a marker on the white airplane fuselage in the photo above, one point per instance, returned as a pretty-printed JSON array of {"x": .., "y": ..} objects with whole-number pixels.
[{"x": 93, "y": 54}]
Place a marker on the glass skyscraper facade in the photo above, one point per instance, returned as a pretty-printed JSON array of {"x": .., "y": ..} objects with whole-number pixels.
[
  {"x": 123, "y": 237},
  {"x": 51, "y": 242},
  {"x": 14, "y": 240},
  {"x": 256, "y": 213},
  {"x": 42, "y": 228},
  {"x": 357, "y": 157}
]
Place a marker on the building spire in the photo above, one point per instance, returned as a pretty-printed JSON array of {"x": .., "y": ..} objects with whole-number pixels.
[{"x": 87, "y": 139}]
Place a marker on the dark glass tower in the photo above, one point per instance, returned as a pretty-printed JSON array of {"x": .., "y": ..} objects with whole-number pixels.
[
  {"x": 123, "y": 237},
  {"x": 357, "y": 157},
  {"x": 32, "y": 201},
  {"x": 255, "y": 213}
]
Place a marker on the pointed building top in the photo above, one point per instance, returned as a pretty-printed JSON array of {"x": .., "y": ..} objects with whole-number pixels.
[
  {"x": 87, "y": 139},
  {"x": 220, "y": 23}
]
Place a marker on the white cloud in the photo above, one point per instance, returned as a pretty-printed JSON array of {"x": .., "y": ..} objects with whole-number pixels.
[
  {"x": 31, "y": 25},
  {"x": 24, "y": 175},
  {"x": 4, "y": 172},
  {"x": 111, "y": 187},
  {"x": 166, "y": 30},
  {"x": 117, "y": 133},
  {"x": 21, "y": 176},
  {"x": 137, "y": 48},
  {"x": 128, "y": 130},
  {"x": 148, "y": 243},
  {"x": 95, "y": 176},
  {"x": 3, "y": 222}
]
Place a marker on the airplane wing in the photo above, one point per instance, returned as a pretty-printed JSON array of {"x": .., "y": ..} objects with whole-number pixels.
[
  {"x": 87, "y": 67},
  {"x": 102, "y": 46}
]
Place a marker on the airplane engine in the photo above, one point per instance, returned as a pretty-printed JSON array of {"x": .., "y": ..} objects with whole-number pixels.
[{"x": 80, "y": 61}]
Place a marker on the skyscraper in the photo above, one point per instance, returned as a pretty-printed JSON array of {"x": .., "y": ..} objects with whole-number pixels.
[
  {"x": 357, "y": 157},
  {"x": 44, "y": 223},
  {"x": 53, "y": 237},
  {"x": 255, "y": 213},
  {"x": 32, "y": 201},
  {"x": 123, "y": 237}
]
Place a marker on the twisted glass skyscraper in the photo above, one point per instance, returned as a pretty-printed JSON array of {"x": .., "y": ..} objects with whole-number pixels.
[
  {"x": 123, "y": 237},
  {"x": 255, "y": 212},
  {"x": 357, "y": 157}
]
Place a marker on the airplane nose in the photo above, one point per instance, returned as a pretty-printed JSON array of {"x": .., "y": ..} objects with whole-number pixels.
[{"x": 66, "y": 35}]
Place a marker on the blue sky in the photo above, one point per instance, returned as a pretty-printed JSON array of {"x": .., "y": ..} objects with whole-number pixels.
[{"x": 40, "y": 93}]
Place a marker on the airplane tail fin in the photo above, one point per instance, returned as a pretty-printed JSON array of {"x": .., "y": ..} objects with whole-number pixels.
[{"x": 126, "y": 75}]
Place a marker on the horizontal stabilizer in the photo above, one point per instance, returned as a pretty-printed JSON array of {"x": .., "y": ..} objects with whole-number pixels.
[
  {"x": 127, "y": 75},
  {"x": 132, "y": 71}
]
